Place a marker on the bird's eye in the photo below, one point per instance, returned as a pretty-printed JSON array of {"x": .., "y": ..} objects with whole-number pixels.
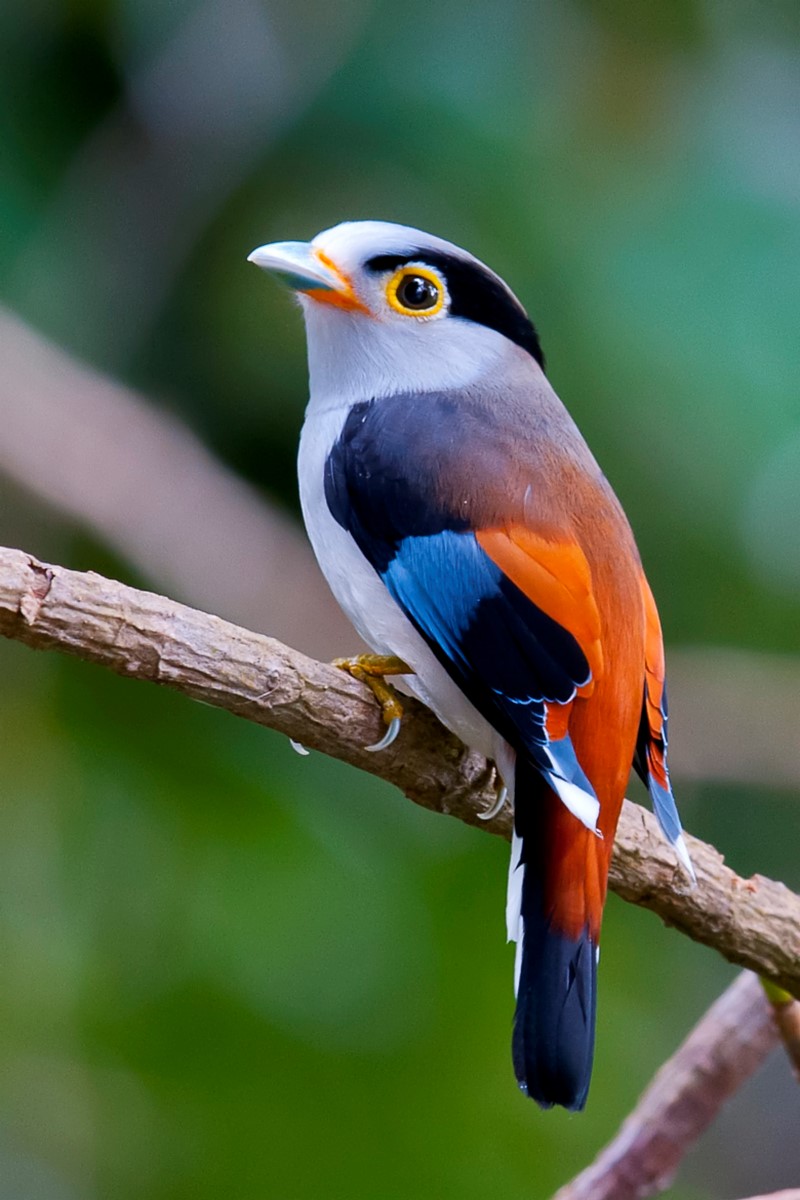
[{"x": 416, "y": 291}]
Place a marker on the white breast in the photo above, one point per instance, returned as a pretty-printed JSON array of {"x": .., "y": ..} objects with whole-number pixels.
[{"x": 363, "y": 596}]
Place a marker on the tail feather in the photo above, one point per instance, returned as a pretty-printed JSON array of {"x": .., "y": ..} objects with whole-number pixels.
[
  {"x": 554, "y": 1023},
  {"x": 557, "y": 945}
]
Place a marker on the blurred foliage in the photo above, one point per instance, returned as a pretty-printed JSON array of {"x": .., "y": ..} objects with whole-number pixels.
[{"x": 229, "y": 971}]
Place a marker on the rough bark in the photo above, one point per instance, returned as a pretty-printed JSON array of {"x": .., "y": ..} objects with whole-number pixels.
[
  {"x": 753, "y": 922},
  {"x": 147, "y": 487}
]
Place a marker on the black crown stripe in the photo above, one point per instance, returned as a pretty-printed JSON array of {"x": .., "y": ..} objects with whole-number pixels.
[{"x": 475, "y": 294}]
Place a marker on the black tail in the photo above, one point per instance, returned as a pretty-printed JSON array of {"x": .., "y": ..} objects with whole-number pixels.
[{"x": 553, "y": 1044}]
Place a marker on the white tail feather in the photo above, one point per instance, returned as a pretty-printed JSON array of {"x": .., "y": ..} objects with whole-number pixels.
[
  {"x": 683, "y": 857},
  {"x": 514, "y": 893},
  {"x": 583, "y": 806}
]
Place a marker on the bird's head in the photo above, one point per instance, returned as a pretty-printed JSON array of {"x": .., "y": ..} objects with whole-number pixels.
[{"x": 388, "y": 307}]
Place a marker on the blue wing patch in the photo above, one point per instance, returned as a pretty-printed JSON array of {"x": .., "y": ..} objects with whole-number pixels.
[
  {"x": 508, "y": 657},
  {"x": 662, "y": 799},
  {"x": 383, "y": 485}
]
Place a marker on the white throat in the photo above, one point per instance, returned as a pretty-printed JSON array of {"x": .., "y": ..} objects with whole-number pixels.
[{"x": 353, "y": 357}]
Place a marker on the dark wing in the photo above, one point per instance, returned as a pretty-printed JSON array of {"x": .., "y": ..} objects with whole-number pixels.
[
  {"x": 650, "y": 760},
  {"x": 508, "y": 612}
]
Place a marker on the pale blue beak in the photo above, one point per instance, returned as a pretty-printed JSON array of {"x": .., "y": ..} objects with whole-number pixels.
[{"x": 296, "y": 264}]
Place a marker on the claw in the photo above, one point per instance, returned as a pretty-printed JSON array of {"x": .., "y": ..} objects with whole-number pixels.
[
  {"x": 371, "y": 669},
  {"x": 491, "y": 813},
  {"x": 299, "y": 748},
  {"x": 388, "y": 737}
]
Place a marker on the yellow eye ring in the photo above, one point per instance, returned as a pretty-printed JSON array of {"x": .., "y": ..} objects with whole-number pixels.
[{"x": 416, "y": 291}]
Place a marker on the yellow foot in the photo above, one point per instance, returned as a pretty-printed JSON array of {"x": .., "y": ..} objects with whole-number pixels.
[{"x": 371, "y": 669}]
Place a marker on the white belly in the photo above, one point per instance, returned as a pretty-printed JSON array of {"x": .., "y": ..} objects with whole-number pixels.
[{"x": 378, "y": 618}]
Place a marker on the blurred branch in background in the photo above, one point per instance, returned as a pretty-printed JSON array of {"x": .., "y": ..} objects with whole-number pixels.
[
  {"x": 785, "y": 1194},
  {"x": 736, "y": 715},
  {"x": 786, "y": 1011},
  {"x": 723, "y": 1050},
  {"x": 145, "y": 484},
  {"x": 753, "y": 922}
]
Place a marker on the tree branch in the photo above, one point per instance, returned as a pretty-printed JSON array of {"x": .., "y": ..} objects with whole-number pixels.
[
  {"x": 786, "y": 1194},
  {"x": 146, "y": 485},
  {"x": 754, "y": 922},
  {"x": 724, "y": 1049},
  {"x": 786, "y": 1011}
]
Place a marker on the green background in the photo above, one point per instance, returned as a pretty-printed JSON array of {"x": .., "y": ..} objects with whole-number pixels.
[{"x": 229, "y": 971}]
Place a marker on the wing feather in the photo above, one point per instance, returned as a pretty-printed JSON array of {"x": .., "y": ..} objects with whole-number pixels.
[
  {"x": 555, "y": 575},
  {"x": 650, "y": 760}
]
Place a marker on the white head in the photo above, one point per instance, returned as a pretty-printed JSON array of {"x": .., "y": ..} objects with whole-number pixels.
[{"x": 389, "y": 308}]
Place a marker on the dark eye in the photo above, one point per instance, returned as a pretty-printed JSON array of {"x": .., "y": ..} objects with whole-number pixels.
[{"x": 417, "y": 293}]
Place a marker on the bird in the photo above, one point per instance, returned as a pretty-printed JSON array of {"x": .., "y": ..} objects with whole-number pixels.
[{"x": 467, "y": 531}]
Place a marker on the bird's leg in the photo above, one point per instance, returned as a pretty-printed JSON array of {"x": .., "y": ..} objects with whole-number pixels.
[{"x": 371, "y": 669}]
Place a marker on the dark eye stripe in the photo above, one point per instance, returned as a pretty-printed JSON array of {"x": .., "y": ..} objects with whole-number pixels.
[{"x": 475, "y": 295}]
